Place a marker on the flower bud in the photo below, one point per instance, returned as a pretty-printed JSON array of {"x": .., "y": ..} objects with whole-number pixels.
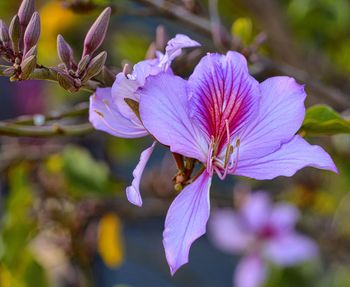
[
  {"x": 32, "y": 52},
  {"x": 15, "y": 33},
  {"x": 97, "y": 33},
  {"x": 95, "y": 66},
  {"x": 82, "y": 65},
  {"x": 25, "y": 12},
  {"x": 4, "y": 33},
  {"x": 27, "y": 67},
  {"x": 65, "y": 51},
  {"x": 32, "y": 33},
  {"x": 66, "y": 82}
]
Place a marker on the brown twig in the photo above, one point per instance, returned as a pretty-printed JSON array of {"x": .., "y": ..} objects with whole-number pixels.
[{"x": 56, "y": 129}]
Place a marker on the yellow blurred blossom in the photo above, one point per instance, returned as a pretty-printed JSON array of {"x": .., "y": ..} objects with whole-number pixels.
[
  {"x": 55, "y": 19},
  {"x": 110, "y": 241},
  {"x": 55, "y": 163}
]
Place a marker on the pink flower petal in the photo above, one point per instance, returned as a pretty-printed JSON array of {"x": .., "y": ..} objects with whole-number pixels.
[
  {"x": 290, "y": 249},
  {"x": 250, "y": 272},
  {"x": 256, "y": 210},
  {"x": 104, "y": 116},
  {"x": 186, "y": 221},
  {"x": 227, "y": 231},
  {"x": 174, "y": 49},
  {"x": 286, "y": 161},
  {"x": 221, "y": 90},
  {"x": 280, "y": 116},
  {"x": 133, "y": 191},
  {"x": 165, "y": 114},
  {"x": 283, "y": 217}
]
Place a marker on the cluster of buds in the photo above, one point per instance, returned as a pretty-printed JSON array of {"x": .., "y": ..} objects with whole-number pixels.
[
  {"x": 72, "y": 75},
  {"x": 18, "y": 42}
]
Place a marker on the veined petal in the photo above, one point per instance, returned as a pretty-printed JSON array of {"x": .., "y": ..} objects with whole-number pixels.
[
  {"x": 281, "y": 113},
  {"x": 250, "y": 272},
  {"x": 133, "y": 191},
  {"x": 104, "y": 116},
  {"x": 283, "y": 217},
  {"x": 165, "y": 114},
  {"x": 221, "y": 90},
  {"x": 292, "y": 156},
  {"x": 290, "y": 249},
  {"x": 125, "y": 86},
  {"x": 186, "y": 221},
  {"x": 174, "y": 49},
  {"x": 227, "y": 231},
  {"x": 256, "y": 210}
]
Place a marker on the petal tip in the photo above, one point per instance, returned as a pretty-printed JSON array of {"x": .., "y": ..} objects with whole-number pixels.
[{"x": 133, "y": 196}]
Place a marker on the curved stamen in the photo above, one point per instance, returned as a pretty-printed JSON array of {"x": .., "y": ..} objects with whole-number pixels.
[
  {"x": 210, "y": 156},
  {"x": 234, "y": 163}
]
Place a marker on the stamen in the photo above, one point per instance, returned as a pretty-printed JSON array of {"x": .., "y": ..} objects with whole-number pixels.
[
  {"x": 233, "y": 169},
  {"x": 228, "y": 146},
  {"x": 210, "y": 156},
  {"x": 126, "y": 70}
]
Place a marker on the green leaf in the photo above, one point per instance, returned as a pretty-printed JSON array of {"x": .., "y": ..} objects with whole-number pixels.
[
  {"x": 84, "y": 173},
  {"x": 323, "y": 120}
]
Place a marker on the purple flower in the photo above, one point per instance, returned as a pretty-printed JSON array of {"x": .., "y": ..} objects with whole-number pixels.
[
  {"x": 110, "y": 113},
  {"x": 226, "y": 120},
  {"x": 262, "y": 233}
]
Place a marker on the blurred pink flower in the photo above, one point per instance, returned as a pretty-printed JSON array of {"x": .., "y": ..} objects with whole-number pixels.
[{"x": 262, "y": 232}]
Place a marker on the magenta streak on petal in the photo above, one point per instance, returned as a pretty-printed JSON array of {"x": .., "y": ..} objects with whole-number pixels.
[
  {"x": 186, "y": 221},
  {"x": 223, "y": 99},
  {"x": 133, "y": 191}
]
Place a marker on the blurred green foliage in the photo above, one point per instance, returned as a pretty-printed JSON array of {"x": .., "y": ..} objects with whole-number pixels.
[{"x": 323, "y": 120}]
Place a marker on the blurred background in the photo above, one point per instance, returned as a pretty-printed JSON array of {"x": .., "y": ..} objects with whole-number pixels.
[{"x": 64, "y": 217}]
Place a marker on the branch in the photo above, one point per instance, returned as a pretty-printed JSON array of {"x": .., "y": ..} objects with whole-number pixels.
[
  {"x": 56, "y": 129},
  {"x": 27, "y": 126},
  {"x": 44, "y": 73},
  {"x": 78, "y": 110}
]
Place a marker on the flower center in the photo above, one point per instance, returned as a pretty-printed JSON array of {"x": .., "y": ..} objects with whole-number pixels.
[{"x": 224, "y": 160}]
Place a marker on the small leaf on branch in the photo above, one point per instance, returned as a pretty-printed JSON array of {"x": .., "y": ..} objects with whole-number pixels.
[
  {"x": 32, "y": 52},
  {"x": 82, "y": 65},
  {"x": 323, "y": 120},
  {"x": 27, "y": 67},
  {"x": 95, "y": 66},
  {"x": 66, "y": 82}
]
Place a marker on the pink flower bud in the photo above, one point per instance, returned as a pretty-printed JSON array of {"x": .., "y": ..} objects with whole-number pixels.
[
  {"x": 32, "y": 33},
  {"x": 15, "y": 33},
  {"x": 4, "y": 33},
  {"x": 65, "y": 52},
  {"x": 25, "y": 12},
  {"x": 97, "y": 33}
]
